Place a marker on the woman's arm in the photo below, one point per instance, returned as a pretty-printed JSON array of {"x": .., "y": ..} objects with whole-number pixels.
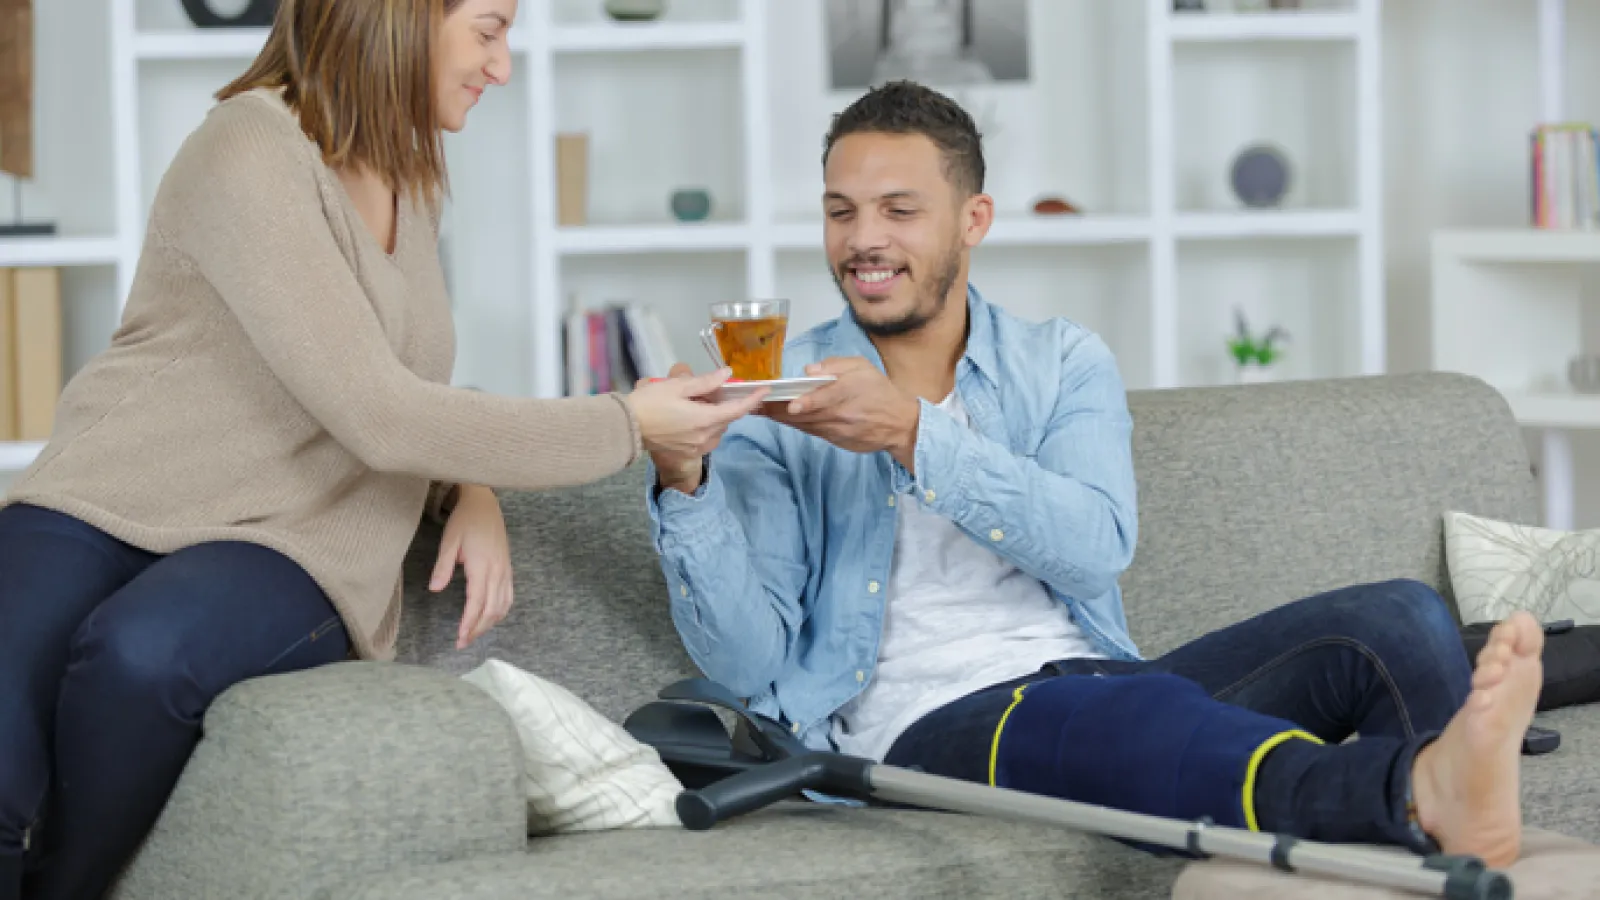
[{"x": 244, "y": 203}]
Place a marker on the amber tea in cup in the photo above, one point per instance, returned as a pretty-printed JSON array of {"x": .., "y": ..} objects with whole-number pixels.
[{"x": 748, "y": 337}]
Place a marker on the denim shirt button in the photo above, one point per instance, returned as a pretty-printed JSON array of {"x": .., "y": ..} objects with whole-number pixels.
[{"x": 872, "y": 587}]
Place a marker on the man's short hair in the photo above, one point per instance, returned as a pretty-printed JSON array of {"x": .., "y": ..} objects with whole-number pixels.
[{"x": 905, "y": 107}]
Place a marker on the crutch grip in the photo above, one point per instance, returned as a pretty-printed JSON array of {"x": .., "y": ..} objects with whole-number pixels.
[
  {"x": 761, "y": 786},
  {"x": 1466, "y": 878}
]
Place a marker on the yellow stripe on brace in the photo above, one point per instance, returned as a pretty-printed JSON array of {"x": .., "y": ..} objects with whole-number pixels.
[
  {"x": 1255, "y": 764},
  {"x": 994, "y": 748}
]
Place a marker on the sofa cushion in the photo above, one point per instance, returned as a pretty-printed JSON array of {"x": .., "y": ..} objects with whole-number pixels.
[
  {"x": 1561, "y": 790},
  {"x": 580, "y": 770},
  {"x": 1552, "y": 867},
  {"x": 1497, "y": 568},
  {"x": 1250, "y": 497},
  {"x": 591, "y": 612},
  {"x": 800, "y": 850}
]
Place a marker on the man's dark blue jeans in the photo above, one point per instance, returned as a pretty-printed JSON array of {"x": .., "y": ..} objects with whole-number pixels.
[
  {"x": 1246, "y": 725},
  {"x": 109, "y": 657}
]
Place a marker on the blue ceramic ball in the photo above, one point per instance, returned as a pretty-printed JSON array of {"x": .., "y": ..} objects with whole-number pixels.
[
  {"x": 691, "y": 204},
  {"x": 1260, "y": 176}
]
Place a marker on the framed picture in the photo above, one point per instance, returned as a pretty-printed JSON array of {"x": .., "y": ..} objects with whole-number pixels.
[{"x": 940, "y": 43}]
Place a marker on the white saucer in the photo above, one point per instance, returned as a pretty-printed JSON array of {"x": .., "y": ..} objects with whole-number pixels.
[{"x": 779, "y": 390}]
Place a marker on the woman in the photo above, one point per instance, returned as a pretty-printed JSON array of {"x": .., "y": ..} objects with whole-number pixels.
[{"x": 234, "y": 483}]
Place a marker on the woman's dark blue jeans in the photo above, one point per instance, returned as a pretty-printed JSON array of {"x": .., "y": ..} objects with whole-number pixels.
[
  {"x": 109, "y": 657},
  {"x": 1204, "y": 730}
]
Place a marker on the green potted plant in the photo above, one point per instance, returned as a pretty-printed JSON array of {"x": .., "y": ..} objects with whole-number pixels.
[{"x": 1255, "y": 358}]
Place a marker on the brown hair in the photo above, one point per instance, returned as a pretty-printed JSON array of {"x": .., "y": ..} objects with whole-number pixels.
[
  {"x": 359, "y": 73},
  {"x": 905, "y": 107}
]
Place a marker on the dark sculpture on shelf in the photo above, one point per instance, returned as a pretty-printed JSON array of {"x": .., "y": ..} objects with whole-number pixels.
[
  {"x": 16, "y": 112},
  {"x": 256, "y": 14}
]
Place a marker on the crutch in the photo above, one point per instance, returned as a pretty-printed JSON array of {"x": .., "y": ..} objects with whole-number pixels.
[{"x": 763, "y": 764}]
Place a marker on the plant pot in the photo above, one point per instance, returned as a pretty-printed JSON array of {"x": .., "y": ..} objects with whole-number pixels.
[
  {"x": 1256, "y": 374},
  {"x": 691, "y": 204}
]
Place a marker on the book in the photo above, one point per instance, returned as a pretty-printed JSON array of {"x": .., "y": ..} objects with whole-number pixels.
[
  {"x": 36, "y": 341},
  {"x": 1564, "y": 176},
  {"x": 8, "y": 360},
  {"x": 609, "y": 348}
]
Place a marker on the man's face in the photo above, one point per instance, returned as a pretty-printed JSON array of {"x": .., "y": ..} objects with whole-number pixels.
[{"x": 896, "y": 231}]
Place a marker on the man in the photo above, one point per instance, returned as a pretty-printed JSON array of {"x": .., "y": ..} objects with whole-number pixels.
[{"x": 918, "y": 564}]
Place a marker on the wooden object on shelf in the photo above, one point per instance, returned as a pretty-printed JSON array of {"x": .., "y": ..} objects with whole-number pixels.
[
  {"x": 36, "y": 341},
  {"x": 8, "y": 360},
  {"x": 572, "y": 179},
  {"x": 16, "y": 88}
]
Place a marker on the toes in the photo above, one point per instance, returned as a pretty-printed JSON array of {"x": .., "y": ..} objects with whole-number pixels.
[
  {"x": 1487, "y": 676},
  {"x": 1498, "y": 653},
  {"x": 1529, "y": 637}
]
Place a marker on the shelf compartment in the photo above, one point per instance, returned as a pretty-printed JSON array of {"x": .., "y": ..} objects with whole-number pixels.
[
  {"x": 1267, "y": 224},
  {"x": 18, "y": 455},
  {"x": 56, "y": 251},
  {"x": 1519, "y": 245},
  {"x": 1264, "y": 26},
  {"x": 665, "y": 238},
  {"x": 620, "y": 38},
  {"x": 1537, "y": 409}
]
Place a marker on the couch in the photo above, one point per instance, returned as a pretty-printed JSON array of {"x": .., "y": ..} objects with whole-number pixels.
[{"x": 399, "y": 780}]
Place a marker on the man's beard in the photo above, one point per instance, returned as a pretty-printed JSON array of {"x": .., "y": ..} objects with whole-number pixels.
[{"x": 921, "y": 313}]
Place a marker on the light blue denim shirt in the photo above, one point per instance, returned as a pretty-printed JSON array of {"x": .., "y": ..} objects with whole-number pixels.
[{"x": 778, "y": 566}]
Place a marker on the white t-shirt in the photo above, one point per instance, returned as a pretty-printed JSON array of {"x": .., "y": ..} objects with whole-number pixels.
[{"x": 959, "y": 618}]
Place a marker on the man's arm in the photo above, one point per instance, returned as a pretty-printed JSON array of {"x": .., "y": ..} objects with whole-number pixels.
[
  {"x": 1066, "y": 515},
  {"x": 734, "y": 558}
]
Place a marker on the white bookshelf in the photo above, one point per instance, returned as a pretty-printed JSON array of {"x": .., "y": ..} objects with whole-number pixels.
[
  {"x": 1508, "y": 305},
  {"x": 1151, "y": 264},
  {"x": 1278, "y": 25},
  {"x": 18, "y": 455},
  {"x": 52, "y": 251}
]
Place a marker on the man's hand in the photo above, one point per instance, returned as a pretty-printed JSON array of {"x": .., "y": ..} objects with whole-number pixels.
[
  {"x": 475, "y": 538},
  {"x": 863, "y": 411}
]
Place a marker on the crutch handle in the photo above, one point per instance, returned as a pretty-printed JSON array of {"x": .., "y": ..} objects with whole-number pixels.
[
  {"x": 1466, "y": 878},
  {"x": 761, "y": 786}
]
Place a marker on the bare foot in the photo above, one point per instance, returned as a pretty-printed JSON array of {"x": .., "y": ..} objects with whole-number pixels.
[{"x": 1466, "y": 783}]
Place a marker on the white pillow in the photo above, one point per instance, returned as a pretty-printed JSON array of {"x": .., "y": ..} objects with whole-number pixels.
[
  {"x": 581, "y": 771},
  {"x": 1498, "y": 567}
]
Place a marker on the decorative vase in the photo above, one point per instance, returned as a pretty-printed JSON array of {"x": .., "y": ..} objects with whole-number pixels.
[
  {"x": 635, "y": 10},
  {"x": 1260, "y": 176},
  {"x": 256, "y": 14},
  {"x": 691, "y": 204},
  {"x": 1256, "y": 374}
]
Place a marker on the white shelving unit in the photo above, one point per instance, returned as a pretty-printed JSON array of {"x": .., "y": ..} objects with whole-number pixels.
[
  {"x": 1507, "y": 305},
  {"x": 761, "y": 239},
  {"x": 1154, "y": 237}
]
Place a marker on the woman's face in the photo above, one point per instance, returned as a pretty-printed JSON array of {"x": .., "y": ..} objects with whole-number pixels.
[{"x": 470, "y": 54}]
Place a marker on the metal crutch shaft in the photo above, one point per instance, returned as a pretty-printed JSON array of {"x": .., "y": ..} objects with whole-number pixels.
[{"x": 1453, "y": 878}]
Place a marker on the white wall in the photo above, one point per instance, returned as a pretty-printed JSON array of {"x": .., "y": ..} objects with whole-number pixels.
[{"x": 1460, "y": 94}]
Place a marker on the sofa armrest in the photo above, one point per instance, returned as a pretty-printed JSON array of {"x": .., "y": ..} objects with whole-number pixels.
[{"x": 316, "y": 778}]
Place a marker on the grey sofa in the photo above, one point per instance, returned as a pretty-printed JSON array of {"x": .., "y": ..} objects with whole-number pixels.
[{"x": 399, "y": 781}]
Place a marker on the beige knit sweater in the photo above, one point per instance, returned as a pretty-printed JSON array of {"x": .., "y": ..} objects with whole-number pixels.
[{"x": 279, "y": 378}]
